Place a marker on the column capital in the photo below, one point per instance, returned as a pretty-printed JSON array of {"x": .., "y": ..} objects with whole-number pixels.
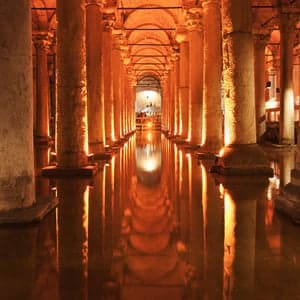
[
  {"x": 181, "y": 34},
  {"x": 42, "y": 40},
  {"x": 109, "y": 21},
  {"x": 194, "y": 19}
]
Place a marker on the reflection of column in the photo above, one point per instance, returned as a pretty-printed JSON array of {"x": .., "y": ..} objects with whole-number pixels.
[
  {"x": 240, "y": 155},
  {"x": 287, "y": 163},
  {"x": 239, "y": 240},
  {"x": 196, "y": 242},
  {"x": 286, "y": 124},
  {"x": 16, "y": 113},
  {"x": 183, "y": 84},
  {"x": 41, "y": 42},
  {"x": 95, "y": 105},
  {"x": 212, "y": 115},
  {"x": 213, "y": 234},
  {"x": 18, "y": 258},
  {"x": 259, "y": 75},
  {"x": 96, "y": 230},
  {"x": 71, "y": 84},
  {"x": 194, "y": 23},
  {"x": 107, "y": 80},
  {"x": 176, "y": 94},
  {"x": 72, "y": 238},
  {"x": 46, "y": 277}
]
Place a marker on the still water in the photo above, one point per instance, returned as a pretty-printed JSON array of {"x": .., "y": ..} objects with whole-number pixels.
[{"x": 154, "y": 224}]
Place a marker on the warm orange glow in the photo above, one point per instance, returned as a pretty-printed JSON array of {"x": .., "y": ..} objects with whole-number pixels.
[
  {"x": 180, "y": 171},
  {"x": 204, "y": 207},
  {"x": 229, "y": 242},
  {"x": 221, "y": 153},
  {"x": 149, "y": 124},
  {"x": 222, "y": 190},
  {"x": 149, "y": 137},
  {"x": 150, "y": 164},
  {"x": 85, "y": 124},
  {"x": 227, "y": 135},
  {"x": 85, "y": 222}
]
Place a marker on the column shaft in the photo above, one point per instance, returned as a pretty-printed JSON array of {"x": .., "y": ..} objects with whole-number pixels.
[
  {"x": 238, "y": 73},
  {"x": 286, "y": 124},
  {"x": 96, "y": 126},
  {"x": 108, "y": 85},
  {"x": 16, "y": 126},
  {"x": 212, "y": 138},
  {"x": 72, "y": 136},
  {"x": 195, "y": 78},
  {"x": 259, "y": 74},
  {"x": 241, "y": 155},
  {"x": 184, "y": 89},
  {"x": 116, "y": 69},
  {"x": 42, "y": 87}
]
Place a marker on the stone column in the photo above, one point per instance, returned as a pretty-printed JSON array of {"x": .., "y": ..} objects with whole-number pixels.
[
  {"x": 212, "y": 138},
  {"x": 296, "y": 85},
  {"x": 195, "y": 35},
  {"x": 16, "y": 114},
  {"x": 183, "y": 90},
  {"x": 286, "y": 124},
  {"x": 95, "y": 103},
  {"x": 240, "y": 155},
  {"x": 72, "y": 135},
  {"x": 107, "y": 78},
  {"x": 176, "y": 94},
  {"x": 260, "y": 41},
  {"x": 272, "y": 79},
  {"x": 116, "y": 69},
  {"x": 41, "y": 42}
]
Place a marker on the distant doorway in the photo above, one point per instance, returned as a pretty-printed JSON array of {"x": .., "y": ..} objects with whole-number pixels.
[{"x": 148, "y": 104}]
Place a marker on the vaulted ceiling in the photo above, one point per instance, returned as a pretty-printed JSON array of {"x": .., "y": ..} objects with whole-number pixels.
[{"x": 149, "y": 27}]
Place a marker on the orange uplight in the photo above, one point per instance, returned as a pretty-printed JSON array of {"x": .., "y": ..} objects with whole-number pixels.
[
  {"x": 229, "y": 242},
  {"x": 221, "y": 153},
  {"x": 85, "y": 221},
  {"x": 149, "y": 125}
]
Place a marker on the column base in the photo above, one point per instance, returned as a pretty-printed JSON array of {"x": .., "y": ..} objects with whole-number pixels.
[
  {"x": 211, "y": 147},
  {"x": 106, "y": 155},
  {"x": 288, "y": 202},
  {"x": 205, "y": 155},
  {"x": 32, "y": 214},
  {"x": 247, "y": 159},
  {"x": 55, "y": 171}
]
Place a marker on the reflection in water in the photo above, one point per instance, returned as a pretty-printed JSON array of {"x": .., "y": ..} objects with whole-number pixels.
[{"x": 154, "y": 224}]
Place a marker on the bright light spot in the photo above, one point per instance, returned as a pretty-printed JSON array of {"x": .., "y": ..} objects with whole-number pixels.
[
  {"x": 149, "y": 137},
  {"x": 150, "y": 165},
  {"x": 221, "y": 153},
  {"x": 272, "y": 103},
  {"x": 149, "y": 125}
]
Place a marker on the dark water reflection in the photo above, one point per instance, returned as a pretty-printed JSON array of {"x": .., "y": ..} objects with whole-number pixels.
[{"x": 155, "y": 224}]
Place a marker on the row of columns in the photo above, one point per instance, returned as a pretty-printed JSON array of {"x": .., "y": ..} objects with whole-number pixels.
[
  {"x": 197, "y": 117},
  {"x": 91, "y": 113},
  {"x": 196, "y": 79}
]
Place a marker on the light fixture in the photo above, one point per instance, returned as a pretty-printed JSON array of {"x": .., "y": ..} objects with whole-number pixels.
[{"x": 268, "y": 84}]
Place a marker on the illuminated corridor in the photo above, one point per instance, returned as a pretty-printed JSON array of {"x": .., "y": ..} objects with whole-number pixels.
[{"x": 149, "y": 149}]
